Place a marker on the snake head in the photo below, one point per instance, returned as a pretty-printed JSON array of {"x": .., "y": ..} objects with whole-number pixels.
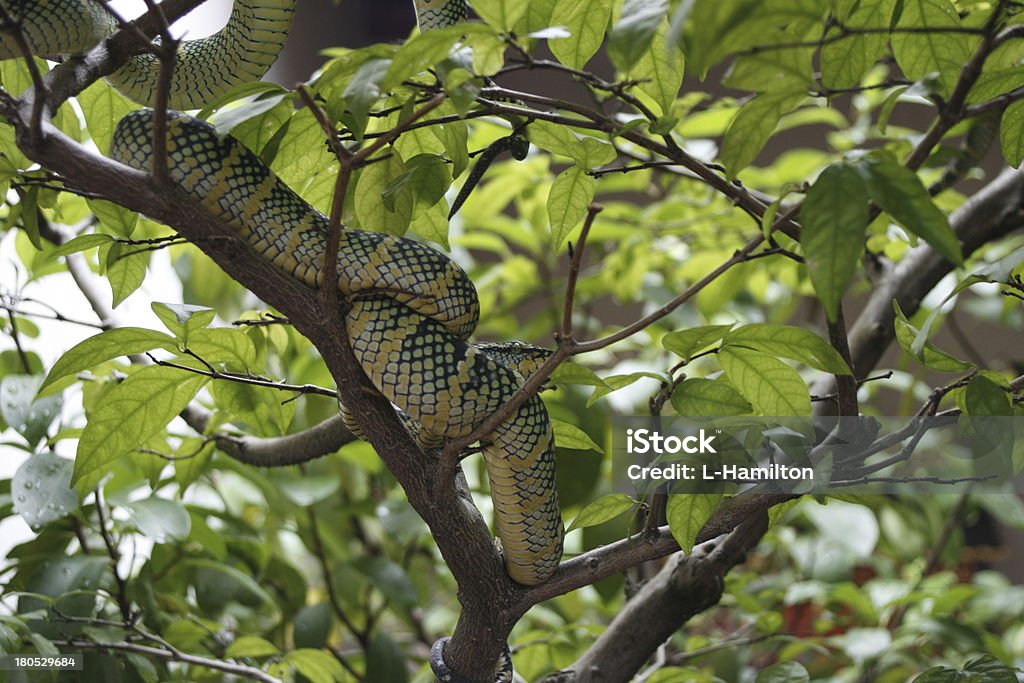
[{"x": 517, "y": 355}]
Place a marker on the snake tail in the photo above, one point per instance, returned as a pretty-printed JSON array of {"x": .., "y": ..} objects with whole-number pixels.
[
  {"x": 411, "y": 312},
  {"x": 205, "y": 69}
]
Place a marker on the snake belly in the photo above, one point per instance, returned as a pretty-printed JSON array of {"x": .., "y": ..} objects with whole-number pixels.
[
  {"x": 205, "y": 69},
  {"x": 412, "y": 311}
]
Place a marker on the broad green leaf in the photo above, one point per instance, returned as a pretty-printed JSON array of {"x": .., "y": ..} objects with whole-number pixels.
[
  {"x": 786, "y": 341},
  {"x": 754, "y": 124},
  {"x": 574, "y": 373},
  {"x": 251, "y": 646},
  {"x": 119, "y": 220},
  {"x": 426, "y": 49},
  {"x": 426, "y": 176},
  {"x": 631, "y": 36},
  {"x": 432, "y": 223},
  {"x": 922, "y": 53},
  {"x": 605, "y": 508},
  {"x": 313, "y": 625},
  {"x": 223, "y": 345},
  {"x": 103, "y": 107},
  {"x": 985, "y": 397},
  {"x": 91, "y": 352},
  {"x": 845, "y": 61},
  {"x": 369, "y": 206},
  {"x": 1011, "y": 133},
  {"x": 687, "y": 515},
  {"x": 552, "y": 137},
  {"x": 771, "y": 386},
  {"x": 126, "y": 272},
  {"x": 700, "y": 397},
  {"x": 362, "y": 92},
  {"x": 500, "y": 14},
  {"x": 702, "y": 26},
  {"x": 385, "y": 660},
  {"x": 587, "y": 21},
  {"x": 390, "y": 578},
  {"x": 901, "y": 194},
  {"x": 992, "y": 84},
  {"x": 660, "y": 69},
  {"x": 570, "y": 436},
  {"x": 161, "y": 520},
  {"x": 131, "y": 413},
  {"x": 784, "y": 672},
  {"x": 685, "y": 343},
  {"x": 22, "y": 408},
  {"x": 930, "y": 355},
  {"x": 183, "y": 319},
  {"x": 41, "y": 489},
  {"x": 616, "y": 382},
  {"x": 570, "y": 195},
  {"x": 834, "y": 218},
  {"x": 80, "y": 243}
]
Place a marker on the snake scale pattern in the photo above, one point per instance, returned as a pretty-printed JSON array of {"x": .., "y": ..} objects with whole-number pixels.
[{"x": 412, "y": 310}]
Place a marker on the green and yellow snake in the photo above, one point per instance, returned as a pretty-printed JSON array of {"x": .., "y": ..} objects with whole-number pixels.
[{"x": 411, "y": 309}]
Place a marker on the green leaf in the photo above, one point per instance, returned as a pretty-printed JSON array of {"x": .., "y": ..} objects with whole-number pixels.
[
  {"x": 385, "y": 660},
  {"x": 699, "y": 397},
  {"x": 80, "y": 243},
  {"x": 370, "y": 208},
  {"x": 687, "y": 515},
  {"x": 771, "y": 386},
  {"x": 922, "y": 53},
  {"x": 426, "y": 177},
  {"x": 91, "y": 352},
  {"x": 901, "y": 194},
  {"x": 571, "y": 436},
  {"x": 22, "y": 409},
  {"x": 660, "y": 70},
  {"x": 390, "y": 578},
  {"x": 616, "y": 382},
  {"x": 570, "y": 195},
  {"x": 786, "y": 341},
  {"x": 1011, "y": 133},
  {"x": 183, "y": 319},
  {"x": 985, "y": 397},
  {"x": 313, "y": 625},
  {"x": 251, "y": 646},
  {"x": 586, "y": 21},
  {"x": 603, "y": 509},
  {"x": 845, "y": 61},
  {"x": 631, "y": 36},
  {"x": 316, "y": 665},
  {"x": 223, "y": 345},
  {"x": 103, "y": 107},
  {"x": 432, "y": 224},
  {"x": 131, "y": 413},
  {"x": 753, "y": 125},
  {"x": 552, "y": 137},
  {"x": 685, "y": 343},
  {"x": 114, "y": 218},
  {"x": 41, "y": 489},
  {"x": 501, "y": 14},
  {"x": 125, "y": 273},
  {"x": 930, "y": 355},
  {"x": 834, "y": 218},
  {"x": 29, "y": 206},
  {"x": 159, "y": 519},
  {"x": 426, "y": 49},
  {"x": 784, "y": 672},
  {"x": 574, "y": 373}
]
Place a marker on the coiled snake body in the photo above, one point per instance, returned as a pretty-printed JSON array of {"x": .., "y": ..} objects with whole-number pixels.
[{"x": 411, "y": 308}]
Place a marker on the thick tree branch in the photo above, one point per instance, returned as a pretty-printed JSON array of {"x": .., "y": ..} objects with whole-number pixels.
[{"x": 686, "y": 586}]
